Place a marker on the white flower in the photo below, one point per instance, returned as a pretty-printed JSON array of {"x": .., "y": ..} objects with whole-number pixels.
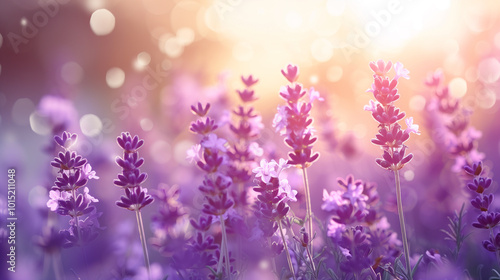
[
  {"x": 411, "y": 127},
  {"x": 93, "y": 199},
  {"x": 283, "y": 164},
  {"x": 194, "y": 153},
  {"x": 213, "y": 142},
  {"x": 314, "y": 95},
  {"x": 355, "y": 194},
  {"x": 280, "y": 120},
  {"x": 55, "y": 196},
  {"x": 255, "y": 149},
  {"x": 372, "y": 107},
  {"x": 401, "y": 71},
  {"x": 335, "y": 230},
  {"x": 88, "y": 172},
  {"x": 332, "y": 200},
  {"x": 287, "y": 189},
  {"x": 266, "y": 170}
]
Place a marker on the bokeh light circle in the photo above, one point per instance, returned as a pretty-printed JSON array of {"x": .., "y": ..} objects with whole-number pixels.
[
  {"x": 91, "y": 125},
  {"x": 115, "y": 77},
  {"x": 102, "y": 22},
  {"x": 72, "y": 73}
]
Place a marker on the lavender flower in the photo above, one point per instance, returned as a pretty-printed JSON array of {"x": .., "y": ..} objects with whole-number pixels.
[
  {"x": 216, "y": 183},
  {"x": 391, "y": 137},
  {"x": 66, "y": 198},
  {"x": 293, "y": 120},
  {"x": 130, "y": 179}
]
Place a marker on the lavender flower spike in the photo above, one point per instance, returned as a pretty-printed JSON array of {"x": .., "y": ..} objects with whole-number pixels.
[{"x": 130, "y": 179}]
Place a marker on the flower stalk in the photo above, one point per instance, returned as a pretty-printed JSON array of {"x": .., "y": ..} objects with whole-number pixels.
[{"x": 402, "y": 223}]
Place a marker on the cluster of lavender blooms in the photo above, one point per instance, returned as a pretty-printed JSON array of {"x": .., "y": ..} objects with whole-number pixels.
[
  {"x": 359, "y": 232},
  {"x": 391, "y": 136},
  {"x": 71, "y": 197},
  {"x": 293, "y": 120},
  {"x": 452, "y": 124},
  {"x": 271, "y": 207},
  {"x": 244, "y": 150},
  {"x": 213, "y": 162},
  {"x": 131, "y": 178},
  {"x": 488, "y": 219}
]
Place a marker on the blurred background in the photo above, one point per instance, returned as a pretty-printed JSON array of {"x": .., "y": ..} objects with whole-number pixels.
[{"x": 101, "y": 67}]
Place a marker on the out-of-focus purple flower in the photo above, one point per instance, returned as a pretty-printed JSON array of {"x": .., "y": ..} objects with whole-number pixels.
[
  {"x": 286, "y": 189},
  {"x": 482, "y": 202},
  {"x": 493, "y": 244},
  {"x": 211, "y": 141},
  {"x": 434, "y": 79},
  {"x": 266, "y": 170},
  {"x": 66, "y": 140},
  {"x": 200, "y": 110},
  {"x": 249, "y": 81},
  {"x": 487, "y": 220},
  {"x": 291, "y": 73},
  {"x": 203, "y": 223},
  {"x": 203, "y": 128}
]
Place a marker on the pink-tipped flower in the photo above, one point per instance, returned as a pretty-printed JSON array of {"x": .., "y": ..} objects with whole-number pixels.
[
  {"x": 291, "y": 73},
  {"x": 412, "y": 128},
  {"x": 380, "y": 68}
]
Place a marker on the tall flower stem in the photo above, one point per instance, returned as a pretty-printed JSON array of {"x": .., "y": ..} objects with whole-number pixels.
[
  {"x": 273, "y": 260},
  {"x": 140, "y": 225},
  {"x": 76, "y": 217},
  {"x": 497, "y": 253},
  {"x": 309, "y": 217},
  {"x": 402, "y": 223},
  {"x": 288, "y": 258},
  {"x": 224, "y": 242}
]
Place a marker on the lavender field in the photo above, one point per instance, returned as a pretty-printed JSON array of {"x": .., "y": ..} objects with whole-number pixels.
[{"x": 238, "y": 139}]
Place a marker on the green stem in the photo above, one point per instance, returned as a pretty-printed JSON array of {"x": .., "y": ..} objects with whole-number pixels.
[
  {"x": 224, "y": 241},
  {"x": 288, "y": 258},
  {"x": 140, "y": 225},
  {"x": 309, "y": 217},
  {"x": 402, "y": 224}
]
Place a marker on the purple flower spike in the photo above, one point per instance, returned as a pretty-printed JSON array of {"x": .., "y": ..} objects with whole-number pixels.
[
  {"x": 249, "y": 81},
  {"x": 199, "y": 110},
  {"x": 128, "y": 143},
  {"x": 203, "y": 223},
  {"x": 135, "y": 199},
  {"x": 66, "y": 140},
  {"x": 291, "y": 73}
]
